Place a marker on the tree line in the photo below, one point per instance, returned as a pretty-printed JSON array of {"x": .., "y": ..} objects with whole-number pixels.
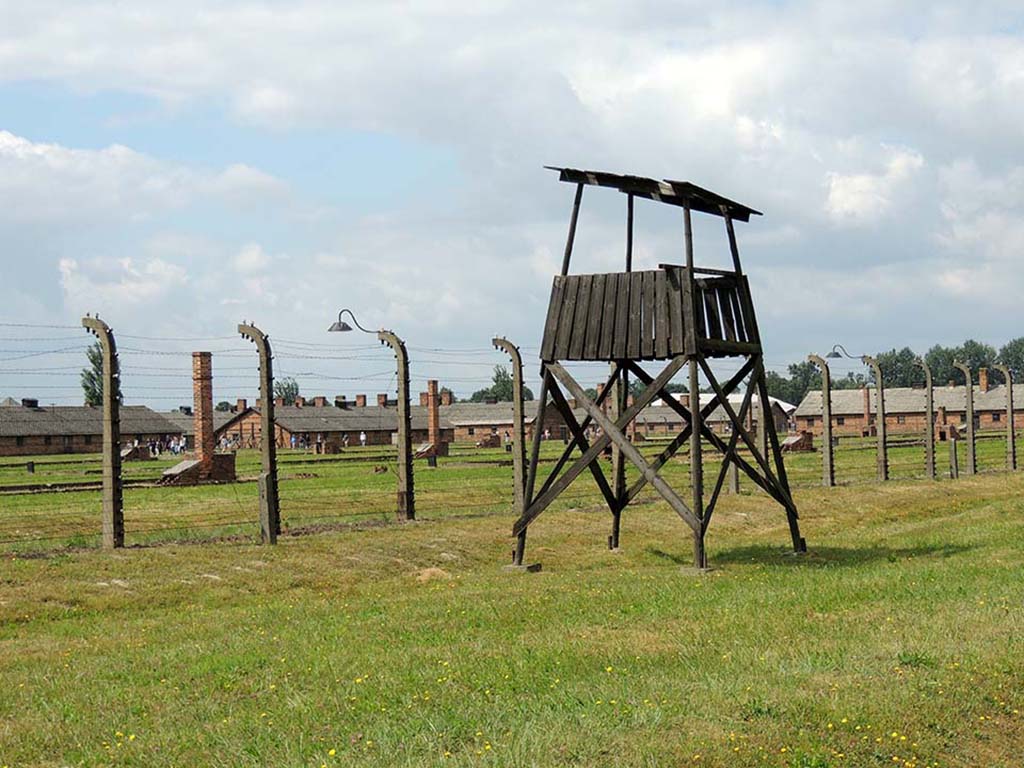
[{"x": 899, "y": 369}]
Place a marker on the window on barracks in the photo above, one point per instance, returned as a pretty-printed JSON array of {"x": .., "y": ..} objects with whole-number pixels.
[
  {"x": 840, "y": 421},
  {"x": 47, "y": 440},
  {"x": 997, "y": 416},
  {"x": 901, "y": 419}
]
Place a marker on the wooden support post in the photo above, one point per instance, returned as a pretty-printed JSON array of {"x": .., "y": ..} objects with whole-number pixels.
[
  {"x": 696, "y": 455},
  {"x": 1011, "y": 436},
  {"x": 113, "y": 496},
  {"x": 929, "y": 418},
  {"x": 618, "y": 484},
  {"x": 567, "y": 255},
  {"x": 734, "y": 478},
  {"x": 954, "y": 457},
  {"x": 518, "y": 423},
  {"x": 827, "y": 456},
  {"x": 972, "y": 465},
  {"x": 406, "y": 486},
  {"x": 270, "y": 504},
  {"x": 882, "y": 454}
]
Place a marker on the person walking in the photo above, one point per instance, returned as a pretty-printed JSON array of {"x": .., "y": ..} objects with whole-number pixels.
[{"x": 362, "y": 439}]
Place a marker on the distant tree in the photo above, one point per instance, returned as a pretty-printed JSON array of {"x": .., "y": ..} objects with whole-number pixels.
[
  {"x": 803, "y": 377},
  {"x": 940, "y": 361},
  {"x": 976, "y": 355},
  {"x": 851, "y": 380},
  {"x": 1012, "y": 356},
  {"x": 899, "y": 368},
  {"x": 92, "y": 377},
  {"x": 287, "y": 389},
  {"x": 501, "y": 388},
  {"x": 223, "y": 405}
]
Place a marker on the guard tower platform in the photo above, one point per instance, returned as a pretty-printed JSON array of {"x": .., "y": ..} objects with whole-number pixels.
[{"x": 678, "y": 314}]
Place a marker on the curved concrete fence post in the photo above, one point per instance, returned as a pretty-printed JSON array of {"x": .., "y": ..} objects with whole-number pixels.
[
  {"x": 972, "y": 465},
  {"x": 880, "y": 426},
  {"x": 929, "y": 418},
  {"x": 406, "y": 487},
  {"x": 270, "y": 504},
  {"x": 113, "y": 495},
  {"x": 1011, "y": 437},
  {"x": 518, "y": 424}
]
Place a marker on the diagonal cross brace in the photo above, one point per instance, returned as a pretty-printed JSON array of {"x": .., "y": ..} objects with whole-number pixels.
[
  {"x": 553, "y": 475},
  {"x": 544, "y": 500},
  {"x": 581, "y": 438},
  {"x": 613, "y": 431},
  {"x": 711, "y": 437},
  {"x": 683, "y": 436}
]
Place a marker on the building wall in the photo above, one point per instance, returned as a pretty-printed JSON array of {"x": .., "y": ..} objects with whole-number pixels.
[
  {"x": 906, "y": 423},
  {"x": 37, "y": 445}
]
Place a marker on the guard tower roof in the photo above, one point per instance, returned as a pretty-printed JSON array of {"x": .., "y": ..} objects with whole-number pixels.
[{"x": 664, "y": 191}]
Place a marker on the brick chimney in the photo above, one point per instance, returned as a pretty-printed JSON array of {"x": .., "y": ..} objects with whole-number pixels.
[
  {"x": 360, "y": 401},
  {"x": 983, "y": 379},
  {"x": 202, "y": 397},
  {"x": 446, "y": 397},
  {"x": 867, "y": 405},
  {"x": 382, "y": 400},
  {"x": 433, "y": 414},
  {"x": 300, "y": 402},
  {"x": 241, "y": 405},
  {"x": 425, "y": 398},
  {"x": 321, "y": 402},
  {"x": 279, "y": 402}
]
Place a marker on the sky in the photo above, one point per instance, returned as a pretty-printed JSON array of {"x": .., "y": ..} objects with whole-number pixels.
[{"x": 179, "y": 168}]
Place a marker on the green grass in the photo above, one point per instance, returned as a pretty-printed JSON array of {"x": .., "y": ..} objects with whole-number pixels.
[{"x": 898, "y": 636}]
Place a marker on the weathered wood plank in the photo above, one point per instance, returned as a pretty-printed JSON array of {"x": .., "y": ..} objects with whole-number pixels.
[
  {"x": 737, "y": 313},
  {"x": 596, "y": 312},
  {"x": 581, "y": 319},
  {"x": 711, "y": 306},
  {"x": 611, "y": 287},
  {"x": 565, "y": 317},
  {"x": 648, "y": 312},
  {"x": 551, "y": 324},
  {"x": 724, "y": 292},
  {"x": 676, "y": 285},
  {"x": 619, "y": 344},
  {"x": 636, "y": 302},
  {"x": 661, "y": 326}
]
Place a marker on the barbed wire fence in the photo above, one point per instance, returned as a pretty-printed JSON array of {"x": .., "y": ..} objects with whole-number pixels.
[{"x": 52, "y": 499}]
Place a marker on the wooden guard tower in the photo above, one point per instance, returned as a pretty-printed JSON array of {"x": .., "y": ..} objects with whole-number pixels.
[{"x": 677, "y": 315}]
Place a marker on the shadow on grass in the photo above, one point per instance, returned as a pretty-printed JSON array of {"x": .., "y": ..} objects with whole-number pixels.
[
  {"x": 822, "y": 557},
  {"x": 831, "y": 557}
]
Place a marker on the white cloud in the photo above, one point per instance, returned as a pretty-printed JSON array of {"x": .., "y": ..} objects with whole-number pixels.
[
  {"x": 251, "y": 258},
  {"x": 51, "y": 183},
  {"x": 861, "y": 198},
  {"x": 116, "y": 284}
]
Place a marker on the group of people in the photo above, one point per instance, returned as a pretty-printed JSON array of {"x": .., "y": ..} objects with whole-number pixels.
[{"x": 174, "y": 444}]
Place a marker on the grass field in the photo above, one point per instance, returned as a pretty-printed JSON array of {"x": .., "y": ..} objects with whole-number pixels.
[{"x": 358, "y": 641}]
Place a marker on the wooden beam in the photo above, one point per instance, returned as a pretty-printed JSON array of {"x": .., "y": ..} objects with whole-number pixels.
[
  {"x": 544, "y": 500},
  {"x": 614, "y": 433}
]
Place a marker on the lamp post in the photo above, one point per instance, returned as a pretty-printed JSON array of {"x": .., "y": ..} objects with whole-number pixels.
[
  {"x": 838, "y": 350},
  {"x": 406, "y": 493}
]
